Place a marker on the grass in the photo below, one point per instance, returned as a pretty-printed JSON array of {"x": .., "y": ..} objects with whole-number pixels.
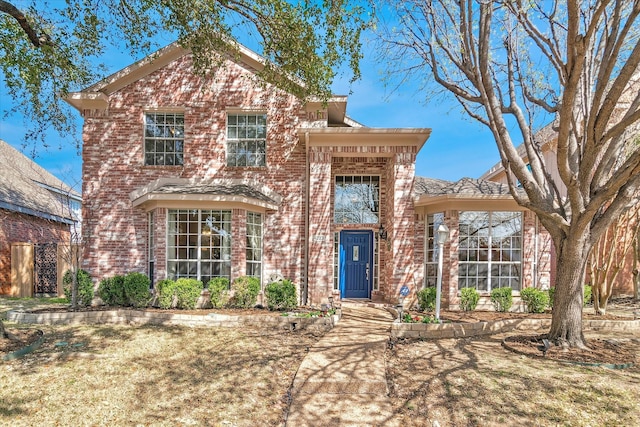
[
  {"x": 152, "y": 375},
  {"x": 475, "y": 382}
]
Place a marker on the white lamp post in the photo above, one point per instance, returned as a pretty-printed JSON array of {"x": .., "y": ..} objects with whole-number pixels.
[{"x": 442, "y": 235}]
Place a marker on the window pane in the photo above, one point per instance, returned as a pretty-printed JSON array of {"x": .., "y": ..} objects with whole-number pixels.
[
  {"x": 356, "y": 199},
  {"x": 246, "y": 140},
  {"x": 164, "y": 139}
]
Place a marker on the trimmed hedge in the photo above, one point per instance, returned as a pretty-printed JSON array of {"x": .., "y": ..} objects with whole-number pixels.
[
  {"x": 111, "y": 290},
  {"x": 427, "y": 299},
  {"x": 136, "y": 289},
  {"x": 182, "y": 293},
  {"x": 165, "y": 290},
  {"x": 85, "y": 287},
  {"x": 469, "y": 298},
  {"x": 535, "y": 299},
  {"x": 219, "y": 291},
  {"x": 245, "y": 291},
  {"x": 281, "y": 295},
  {"x": 502, "y": 299}
]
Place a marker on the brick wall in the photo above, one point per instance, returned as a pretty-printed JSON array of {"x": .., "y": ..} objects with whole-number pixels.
[
  {"x": 116, "y": 232},
  {"x": 17, "y": 227}
]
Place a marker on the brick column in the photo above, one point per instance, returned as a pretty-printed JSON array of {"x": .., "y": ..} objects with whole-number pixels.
[
  {"x": 238, "y": 243},
  {"x": 320, "y": 270},
  {"x": 405, "y": 271}
]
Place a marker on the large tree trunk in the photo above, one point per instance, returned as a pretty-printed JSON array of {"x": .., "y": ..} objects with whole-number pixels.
[{"x": 566, "y": 320}]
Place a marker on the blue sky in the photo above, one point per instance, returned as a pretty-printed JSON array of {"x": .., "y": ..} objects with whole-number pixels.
[{"x": 458, "y": 147}]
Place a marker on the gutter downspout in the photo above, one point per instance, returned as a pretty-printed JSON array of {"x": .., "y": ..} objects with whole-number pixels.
[{"x": 305, "y": 287}]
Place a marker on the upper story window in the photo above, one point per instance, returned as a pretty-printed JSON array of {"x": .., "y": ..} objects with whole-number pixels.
[
  {"x": 163, "y": 139},
  {"x": 246, "y": 139},
  {"x": 357, "y": 199}
]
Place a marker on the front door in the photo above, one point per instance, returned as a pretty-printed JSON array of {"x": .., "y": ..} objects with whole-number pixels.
[{"x": 356, "y": 261}]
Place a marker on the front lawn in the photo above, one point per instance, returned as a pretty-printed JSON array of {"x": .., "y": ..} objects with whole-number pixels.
[{"x": 152, "y": 375}]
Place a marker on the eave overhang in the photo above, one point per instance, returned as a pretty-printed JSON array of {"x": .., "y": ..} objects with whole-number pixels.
[
  {"x": 180, "y": 193},
  {"x": 461, "y": 202},
  {"x": 365, "y": 137}
]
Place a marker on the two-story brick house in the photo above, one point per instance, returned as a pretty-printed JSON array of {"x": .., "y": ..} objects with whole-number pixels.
[{"x": 228, "y": 176}]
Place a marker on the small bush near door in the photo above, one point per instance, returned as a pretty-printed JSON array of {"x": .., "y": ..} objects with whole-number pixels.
[
  {"x": 136, "y": 289},
  {"x": 281, "y": 295},
  {"x": 245, "y": 291},
  {"x": 427, "y": 299},
  {"x": 469, "y": 298},
  {"x": 111, "y": 290},
  {"x": 502, "y": 299},
  {"x": 535, "y": 299},
  {"x": 85, "y": 286}
]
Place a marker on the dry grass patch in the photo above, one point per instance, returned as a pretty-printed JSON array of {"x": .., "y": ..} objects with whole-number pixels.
[
  {"x": 475, "y": 382},
  {"x": 153, "y": 375}
]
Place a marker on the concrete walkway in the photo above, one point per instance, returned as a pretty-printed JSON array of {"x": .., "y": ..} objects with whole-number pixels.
[{"x": 341, "y": 381}]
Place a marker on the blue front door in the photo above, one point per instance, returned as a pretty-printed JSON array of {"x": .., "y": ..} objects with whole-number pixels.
[{"x": 356, "y": 263}]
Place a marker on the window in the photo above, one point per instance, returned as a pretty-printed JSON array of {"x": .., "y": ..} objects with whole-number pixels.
[
  {"x": 490, "y": 250},
  {"x": 254, "y": 244},
  {"x": 431, "y": 262},
  {"x": 199, "y": 244},
  {"x": 163, "y": 139},
  {"x": 246, "y": 139},
  {"x": 357, "y": 199}
]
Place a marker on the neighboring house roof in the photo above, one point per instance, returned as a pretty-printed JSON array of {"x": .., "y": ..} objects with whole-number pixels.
[
  {"x": 467, "y": 193},
  {"x": 28, "y": 188}
]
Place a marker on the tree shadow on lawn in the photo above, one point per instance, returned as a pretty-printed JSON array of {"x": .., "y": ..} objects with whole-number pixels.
[{"x": 476, "y": 382}]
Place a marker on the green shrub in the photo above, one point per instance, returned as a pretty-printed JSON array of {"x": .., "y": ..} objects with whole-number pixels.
[
  {"x": 535, "y": 299},
  {"x": 187, "y": 292},
  {"x": 469, "y": 298},
  {"x": 552, "y": 293},
  {"x": 502, "y": 299},
  {"x": 587, "y": 294},
  {"x": 111, "y": 290},
  {"x": 136, "y": 289},
  {"x": 219, "y": 291},
  {"x": 165, "y": 290},
  {"x": 281, "y": 295},
  {"x": 85, "y": 287},
  {"x": 427, "y": 299},
  {"x": 245, "y": 291}
]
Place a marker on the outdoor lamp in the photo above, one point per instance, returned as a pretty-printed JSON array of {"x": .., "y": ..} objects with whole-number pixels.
[
  {"x": 442, "y": 234},
  {"x": 382, "y": 232}
]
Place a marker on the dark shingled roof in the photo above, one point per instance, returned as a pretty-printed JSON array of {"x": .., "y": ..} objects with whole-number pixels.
[
  {"x": 215, "y": 189},
  {"x": 28, "y": 188},
  {"x": 465, "y": 186}
]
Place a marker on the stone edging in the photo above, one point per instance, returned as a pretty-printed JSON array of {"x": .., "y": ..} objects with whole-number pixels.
[
  {"x": 140, "y": 317},
  {"x": 460, "y": 330}
]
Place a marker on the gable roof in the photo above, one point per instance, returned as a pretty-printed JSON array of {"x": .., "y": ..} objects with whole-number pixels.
[
  {"x": 28, "y": 188},
  {"x": 96, "y": 96}
]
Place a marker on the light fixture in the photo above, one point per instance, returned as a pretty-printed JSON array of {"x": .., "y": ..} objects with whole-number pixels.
[
  {"x": 382, "y": 232},
  {"x": 442, "y": 234}
]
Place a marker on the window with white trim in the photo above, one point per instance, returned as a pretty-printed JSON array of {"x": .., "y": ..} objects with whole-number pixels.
[
  {"x": 163, "y": 139},
  {"x": 490, "y": 250},
  {"x": 357, "y": 199},
  {"x": 254, "y": 244},
  {"x": 431, "y": 261},
  {"x": 246, "y": 139},
  {"x": 199, "y": 244}
]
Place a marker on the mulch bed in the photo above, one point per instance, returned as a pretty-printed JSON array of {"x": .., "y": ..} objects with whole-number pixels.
[
  {"x": 614, "y": 352},
  {"x": 491, "y": 316}
]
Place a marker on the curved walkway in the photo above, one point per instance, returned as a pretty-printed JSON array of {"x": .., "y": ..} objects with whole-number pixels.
[{"x": 341, "y": 381}]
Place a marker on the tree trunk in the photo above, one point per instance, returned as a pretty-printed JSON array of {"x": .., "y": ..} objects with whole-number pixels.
[
  {"x": 566, "y": 320},
  {"x": 600, "y": 300},
  {"x": 3, "y": 333}
]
